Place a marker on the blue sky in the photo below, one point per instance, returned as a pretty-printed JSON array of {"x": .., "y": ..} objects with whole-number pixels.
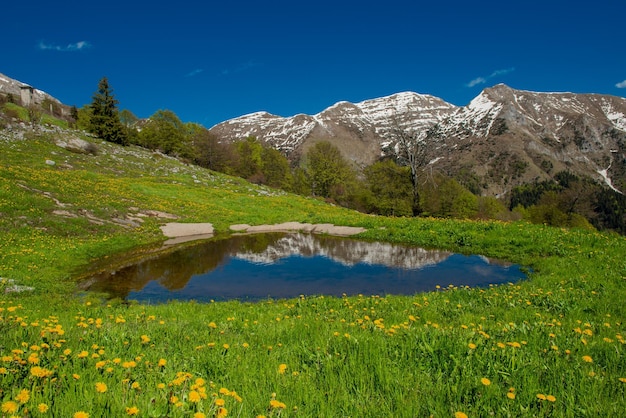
[{"x": 209, "y": 62}]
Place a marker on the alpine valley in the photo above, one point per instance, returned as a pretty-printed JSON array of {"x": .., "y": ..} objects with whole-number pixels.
[{"x": 503, "y": 138}]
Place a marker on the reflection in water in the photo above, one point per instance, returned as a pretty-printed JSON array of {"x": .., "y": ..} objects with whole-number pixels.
[{"x": 278, "y": 265}]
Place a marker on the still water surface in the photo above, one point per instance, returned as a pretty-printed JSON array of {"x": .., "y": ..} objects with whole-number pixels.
[{"x": 278, "y": 265}]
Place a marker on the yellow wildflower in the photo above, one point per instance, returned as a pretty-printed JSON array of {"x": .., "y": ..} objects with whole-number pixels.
[
  {"x": 510, "y": 395},
  {"x": 23, "y": 396},
  {"x": 459, "y": 414},
  {"x": 42, "y": 408},
  {"x": 162, "y": 362},
  {"x": 194, "y": 396},
  {"x": 587, "y": 359},
  {"x": 551, "y": 398},
  {"x": 101, "y": 387},
  {"x": 472, "y": 346},
  {"x": 485, "y": 381},
  {"x": 10, "y": 407},
  {"x": 133, "y": 410},
  {"x": 81, "y": 414},
  {"x": 282, "y": 368}
]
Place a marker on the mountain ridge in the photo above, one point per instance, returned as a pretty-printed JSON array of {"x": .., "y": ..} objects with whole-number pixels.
[{"x": 504, "y": 137}]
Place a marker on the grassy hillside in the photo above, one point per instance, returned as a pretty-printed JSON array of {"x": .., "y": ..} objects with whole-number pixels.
[{"x": 549, "y": 346}]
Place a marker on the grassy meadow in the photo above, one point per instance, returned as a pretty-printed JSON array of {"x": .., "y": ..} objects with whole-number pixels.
[{"x": 550, "y": 346}]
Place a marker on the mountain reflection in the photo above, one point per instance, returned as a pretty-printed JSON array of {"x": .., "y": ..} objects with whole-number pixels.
[{"x": 224, "y": 267}]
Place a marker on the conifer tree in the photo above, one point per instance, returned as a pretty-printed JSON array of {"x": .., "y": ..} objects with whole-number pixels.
[{"x": 105, "y": 120}]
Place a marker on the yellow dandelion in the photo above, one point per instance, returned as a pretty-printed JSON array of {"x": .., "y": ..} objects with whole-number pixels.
[
  {"x": 162, "y": 362},
  {"x": 460, "y": 414},
  {"x": 550, "y": 398},
  {"x": 81, "y": 414},
  {"x": 221, "y": 412},
  {"x": 136, "y": 386},
  {"x": 212, "y": 325},
  {"x": 42, "y": 408},
  {"x": 145, "y": 339},
  {"x": 485, "y": 381},
  {"x": 133, "y": 410},
  {"x": 622, "y": 379},
  {"x": 101, "y": 387},
  {"x": 82, "y": 354},
  {"x": 10, "y": 407},
  {"x": 587, "y": 359},
  {"x": 224, "y": 391},
  {"x": 510, "y": 395},
  {"x": 541, "y": 396},
  {"x": 194, "y": 396},
  {"x": 282, "y": 368},
  {"x": 199, "y": 415},
  {"x": 472, "y": 346},
  {"x": 219, "y": 402},
  {"x": 76, "y": 376}
]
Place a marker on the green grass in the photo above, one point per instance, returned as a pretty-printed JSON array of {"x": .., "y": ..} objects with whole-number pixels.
[{"x": 552, "y": 345}]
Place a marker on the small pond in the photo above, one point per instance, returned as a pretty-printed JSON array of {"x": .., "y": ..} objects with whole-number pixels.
[{"x": 286, "y": 265}]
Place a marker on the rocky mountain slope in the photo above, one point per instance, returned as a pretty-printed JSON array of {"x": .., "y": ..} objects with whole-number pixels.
[
  {"x": 14, "y": 87},
  {"x": 502, "y": 138}
]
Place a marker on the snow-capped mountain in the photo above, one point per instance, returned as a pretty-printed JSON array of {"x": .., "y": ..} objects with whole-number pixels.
[
  {"x": 502, "y": 138},
  {"x": 359, "y": 130}
]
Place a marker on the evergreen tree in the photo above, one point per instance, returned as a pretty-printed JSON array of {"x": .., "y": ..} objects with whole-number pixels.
[{"x": 105, "y": 120}]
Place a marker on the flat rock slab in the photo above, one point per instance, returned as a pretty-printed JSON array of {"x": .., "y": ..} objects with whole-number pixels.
[
  {"x": 177, "y": 230},
  {"x": 329, "y": 229}
]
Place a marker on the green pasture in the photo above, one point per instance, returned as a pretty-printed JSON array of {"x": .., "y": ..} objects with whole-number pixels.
[{"x": 549, "y": 346}]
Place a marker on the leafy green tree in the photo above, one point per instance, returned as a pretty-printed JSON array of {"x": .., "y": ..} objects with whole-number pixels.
[
  {"x": 446, "y": 198},
  {"x": 275, "y": 169},
  {"x": 328, "y": 172},
  {"x": 128, "y": 118},
  {"x": 210, "y": 153},
  {"x": 390, "y": 187},
  {"x": 104, "y": 119},
  {"x": 165, "y": 132},
  {"x": 249, "y": 163}
]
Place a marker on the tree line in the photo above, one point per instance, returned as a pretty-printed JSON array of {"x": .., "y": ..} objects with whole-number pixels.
[{"x": 391, "y": 187}]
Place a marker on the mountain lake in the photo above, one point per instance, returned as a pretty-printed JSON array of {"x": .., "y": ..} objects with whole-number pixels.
[{"x": 258, "y": 267}]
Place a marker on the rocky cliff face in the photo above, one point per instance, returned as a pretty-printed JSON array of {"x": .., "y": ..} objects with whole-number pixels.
[{"x": 502, "y": 138}]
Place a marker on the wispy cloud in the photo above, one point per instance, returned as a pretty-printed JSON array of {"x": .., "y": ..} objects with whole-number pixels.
[
  {"x": 621, "y": 85},
  {"x": 78, "y": 46},
  {"x": 194, "y": 72},
  {"x": 244, "y": 67},
  {"x": 484, "y": 79}
]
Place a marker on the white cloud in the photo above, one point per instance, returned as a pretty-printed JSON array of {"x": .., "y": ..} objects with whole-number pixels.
[
  {"x": 477, "y": 80},
  {"x": 621, "y": 85},
  {"x": 78, "y": 46},
  {"x": 483, "y": 80},
  {"x": 194, "y": 72}
]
